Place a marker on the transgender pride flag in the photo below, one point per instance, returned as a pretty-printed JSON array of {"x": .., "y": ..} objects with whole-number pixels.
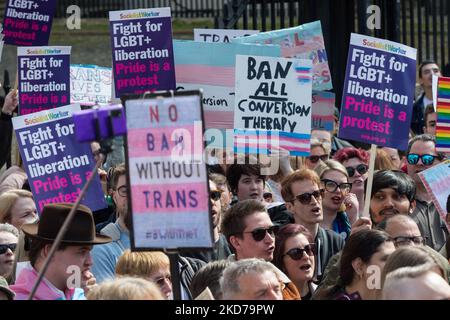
[{"x": 211, "y": 67}]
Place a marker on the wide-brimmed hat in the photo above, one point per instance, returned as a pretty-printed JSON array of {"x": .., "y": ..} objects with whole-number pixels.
[{"x": 80, "y": 231}]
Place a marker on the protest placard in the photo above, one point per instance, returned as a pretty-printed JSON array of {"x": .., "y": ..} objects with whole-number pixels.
[
  {"x": 443, "y": 115},
  {"x": 301, "y": 42},
  {"x": 44, "y": 78},
  {"x": 142, "y": 52},
  {"x": 167, "y": 177},
  {"x": 323, "y": 110},
  {"x": 378, "y": 92},
  {"x": 211, "y": 67},
  {"x": 90, "y": 85},
  {"x": 28, "y": 22},
  {"x": 437, "y": 182},
  {"x": 57, "y": 165},
  {"x": 220, "y": 35},
  {"x": 273, "y": 105}
]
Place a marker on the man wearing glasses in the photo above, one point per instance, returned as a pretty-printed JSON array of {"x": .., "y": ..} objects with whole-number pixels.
[
  {"x": 303, "y": 195},
  {"x": 105, "y": 256},
  {"x": 422, "y": 155},
  {"x": 251, "y": 234}
]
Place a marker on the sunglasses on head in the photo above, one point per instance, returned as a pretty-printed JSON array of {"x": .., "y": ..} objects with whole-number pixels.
[
  {"x": 361, "y": 168},
  {"x": 260, "y": 233},
  {"x": 314, "y": 159},
  {"x": 331, "y": 186},
  {"x": 305, "y": 198},
  {"x": 297, "y": 253},
  {"x": 427, "y": 159},
  {"x": 215, "y": 195},
  {"x": 5, "y": 247}
]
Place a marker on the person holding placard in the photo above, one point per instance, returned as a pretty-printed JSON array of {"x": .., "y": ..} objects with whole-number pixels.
[
  {"x": 422, "y": 155},
  {"x": 426, "y": 71}
]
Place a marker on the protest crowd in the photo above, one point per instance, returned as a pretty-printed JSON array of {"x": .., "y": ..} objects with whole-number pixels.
[{"x": 349, "y": 212}]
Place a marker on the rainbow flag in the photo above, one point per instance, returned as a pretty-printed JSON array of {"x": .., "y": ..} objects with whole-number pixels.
[{"x": 443, "y": 116}]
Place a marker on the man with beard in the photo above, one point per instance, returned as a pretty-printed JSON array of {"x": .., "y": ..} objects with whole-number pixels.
[
  {"x": 422, "y": 155},
  {"x": 221, "y": 249},
  {"x": 105, "y": 256},
  {"x": 393, "y": 193}
]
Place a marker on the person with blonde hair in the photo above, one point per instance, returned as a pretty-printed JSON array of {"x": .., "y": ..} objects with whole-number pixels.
[
  {"x": 17, "y": 207},
  {"x": 126, "y": 288},
  {"x": 149, "y": 265},
  {"x": 337, "y": 198},
  {"x": 320, "y": 151}
]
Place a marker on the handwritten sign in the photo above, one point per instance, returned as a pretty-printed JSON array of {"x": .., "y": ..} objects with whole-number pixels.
[
  {"x": 437, "y": 182},
  {"x": 273, "y": 96},
  {"x": 211, "y": 66},
  {"x": 90, "y": 85},
  {"x": 28, "y": 22},
  {"x": 142, "y": 52},
  {"x": 57, "y": 165},
  {"x": 220, "y": 35},
  {"x": 302, "y": 42},
  {"x": 169, "y": 191},
  {"x": 378, "y": 92},
  {"x": 44, "y": 80},
  {"x": 443, "y": 115}
]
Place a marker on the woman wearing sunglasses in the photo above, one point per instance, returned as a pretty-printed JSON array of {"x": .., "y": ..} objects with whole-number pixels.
[
  {"x": 356, "y": 162},
  {"x": 294, "y": 255},
  {"x": 319, "y": 152},
  {"x": 9, "y": 237},
  {"x": 334, "y": 179}
]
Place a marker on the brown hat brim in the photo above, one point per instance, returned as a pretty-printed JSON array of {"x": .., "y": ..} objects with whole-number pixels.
[{"x": 31, "y": 230}]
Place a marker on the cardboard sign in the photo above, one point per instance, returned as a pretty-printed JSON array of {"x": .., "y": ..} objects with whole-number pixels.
[
  {"x": 220, "y": 35},
  {"x": 57, "y": 165},
  {"x": 90, "y": 85},
  {"x": 44, "y": 78},
  {"x": 167, "y": 177},
  {"x": 142, "y": 52},
  {"x": 302, "y": 42},
  {"x": 211, "y": 67},
  {"x": 323, "y": 110},
  {"x": 443, "y": 116},
  {"x": 437, "y": 182},
  {"x": 273, "y": 97},
  {"x": 28, "y": 22},
  {"x": 378, "y": 92}
]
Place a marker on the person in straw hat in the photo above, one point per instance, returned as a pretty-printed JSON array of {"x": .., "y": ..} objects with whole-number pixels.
[{"x": 68, "y": 275}]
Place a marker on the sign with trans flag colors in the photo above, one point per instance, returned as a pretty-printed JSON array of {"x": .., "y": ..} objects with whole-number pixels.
[
  {"x": 220, "y": 35},
  {"x": 443, "y": 116},
  {"x": 169, "y": 193},
  {"x": 273, "y": 105},
  {"x": 211, "y": 67},
  {"x": 323, "y": 110},
  {"x": 302, "y": 42},
  {"x": 90, "y": 85},
  {"x": 437, "y": 182}
]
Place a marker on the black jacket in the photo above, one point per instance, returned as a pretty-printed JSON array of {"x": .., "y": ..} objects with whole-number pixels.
[
  {"x": 430, "y": 224},
  {"x": 328, "y": 243},
  {"x": 280, "y": 215},
  {"x": 417, "y": 119}
]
